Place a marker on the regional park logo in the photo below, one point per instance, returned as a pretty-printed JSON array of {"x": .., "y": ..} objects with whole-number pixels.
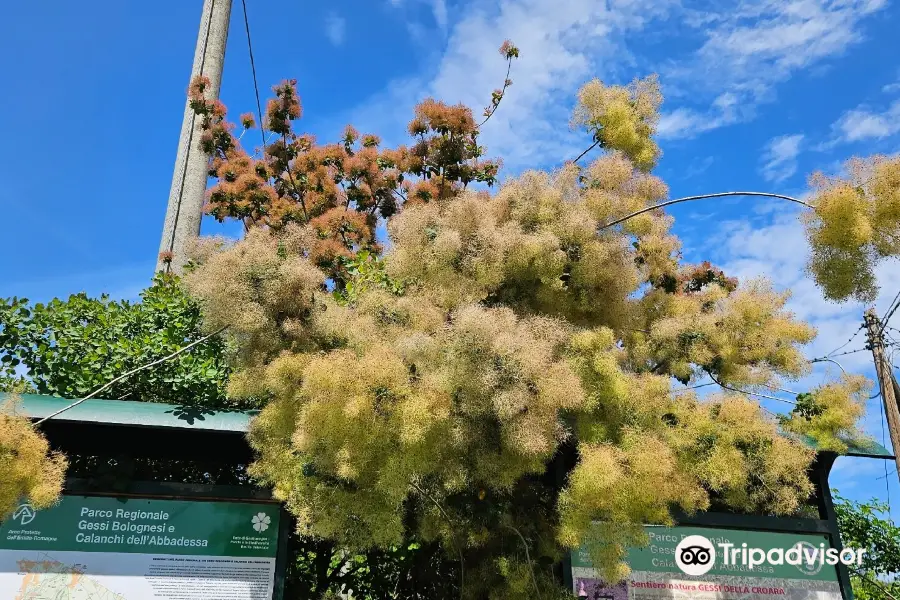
[
  {"x": 24, "y": 514},
  {"x": 695, "y": 555},
  {"x": 261, "y": 522}
]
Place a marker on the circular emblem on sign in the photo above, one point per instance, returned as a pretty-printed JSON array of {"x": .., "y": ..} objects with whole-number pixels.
[
  {"x": 261, "y": 522},
  {"x": 807, "y": 567},
  {"x": 695, "y": 555}
]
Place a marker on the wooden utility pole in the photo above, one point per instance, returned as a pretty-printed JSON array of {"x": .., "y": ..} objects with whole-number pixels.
[
  {"x": 886, "y": 381},
  {"x": 187, "y": 194}
]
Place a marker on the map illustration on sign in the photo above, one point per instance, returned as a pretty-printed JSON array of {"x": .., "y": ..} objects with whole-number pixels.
[
  {"x": 53, "y": 580},
  {"x": 105, "y": 548}
]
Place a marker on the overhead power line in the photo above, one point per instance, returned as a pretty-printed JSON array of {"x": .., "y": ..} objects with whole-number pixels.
[{"x": 262, "y": 127}]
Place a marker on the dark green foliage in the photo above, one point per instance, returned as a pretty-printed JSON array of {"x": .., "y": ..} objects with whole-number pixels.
[
  {"x": 71, "y": 347},
  {"x": 412, "y": 571},
  {"x": 862, "y": 525}
]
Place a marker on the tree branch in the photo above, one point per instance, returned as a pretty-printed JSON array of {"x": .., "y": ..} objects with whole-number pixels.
[
  {"x": 701, "y": 197},
  {"x": 874, "y": 582},
  {"x": 130, "y": 373},
  {"x": 537, "y": 590},
  {"x": 506, "y": 83},
  {"x": 293, "y": 184},
  {"x": 462, "y": 571}
]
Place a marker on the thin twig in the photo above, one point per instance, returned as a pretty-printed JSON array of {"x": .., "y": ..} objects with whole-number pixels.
[
  {"x": 132, "y": 372},
  {"x": 506, "y": 83},
  {"x": 874, "y": 582},
  {"x": 462, "y": 570},
  {"x": 293, "y": 184},
  {"x": 701, "y": 197},
  {"x": 537, "y": 590},
  {"x": 637, "y": 330}
]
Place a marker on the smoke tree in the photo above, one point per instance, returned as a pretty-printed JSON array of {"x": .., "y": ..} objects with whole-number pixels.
[
  {"x": 501, "y": 379},
  {"x": 29, "y": 471},
  {"x": 855, "y": 225}
]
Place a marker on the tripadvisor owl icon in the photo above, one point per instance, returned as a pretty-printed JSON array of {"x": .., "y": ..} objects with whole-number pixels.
[{"x": 695, "y": 555}]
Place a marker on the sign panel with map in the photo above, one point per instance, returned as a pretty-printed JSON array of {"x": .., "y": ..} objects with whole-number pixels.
[
  {"x": 100, "y": 548},
  {"x": 655, "y": 575}
]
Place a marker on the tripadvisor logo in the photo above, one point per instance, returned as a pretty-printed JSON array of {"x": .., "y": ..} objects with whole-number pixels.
[{"x": 696, "y": 555}]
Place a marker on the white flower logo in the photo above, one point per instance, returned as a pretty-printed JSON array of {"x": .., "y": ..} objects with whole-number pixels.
[{"x": 261, "y": 522}]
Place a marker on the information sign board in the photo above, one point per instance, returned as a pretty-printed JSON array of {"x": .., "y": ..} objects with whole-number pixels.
[{"x": 103, "y": 548}]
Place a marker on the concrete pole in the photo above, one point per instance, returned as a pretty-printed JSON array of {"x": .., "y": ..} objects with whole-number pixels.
[{"x": 187, "y": 195}]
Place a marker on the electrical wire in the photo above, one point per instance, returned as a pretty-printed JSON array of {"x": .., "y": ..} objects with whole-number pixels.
[
  {"x": 262, "y": 127},
  {"x": 886, "y": 474},
  {"x": 130, "y": 373},
  {"x": 890, "y": 310},
  {"x": 845, "y": 344},
  {"x": 830, "y": 356},
  {"x": 887, "y": 483},
  {"x": 749, "y": 393}
]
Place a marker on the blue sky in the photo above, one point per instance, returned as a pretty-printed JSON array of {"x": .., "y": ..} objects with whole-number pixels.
[{"x": 759, "y": 94}]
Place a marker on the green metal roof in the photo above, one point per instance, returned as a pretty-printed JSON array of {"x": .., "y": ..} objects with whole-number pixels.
[
  {"x": 150, "y": 414},
  {"x": 860, "y": 448},
  {"x": 141, "y": 414}
]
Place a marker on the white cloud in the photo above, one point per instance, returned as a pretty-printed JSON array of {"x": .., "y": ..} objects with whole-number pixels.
[
  {"x": 751, "y": 48},
  {"x": 698, "y": 167},
  {"x": 685, "y": 123},
  {"x": 745, "y": 49},
  {"x": 893, "y": 87},
  {"x": 863, "y": 124},
  {"x": 563, "y": 44},
  {"x": 439, "y": 9},
  {"x": 780, "y": 157},
  {"x": 335, "y": 27}
]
